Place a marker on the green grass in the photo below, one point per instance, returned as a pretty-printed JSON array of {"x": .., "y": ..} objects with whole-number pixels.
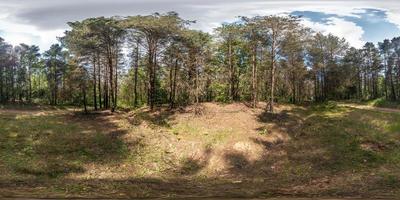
[
  {"x": 379, "y": 102},
  {"x": 356, "y": 150},
  {"x": 384, "y": 103},
  {"x": 190, "y": 130},
  {"x": 348, "y": 128},
  {"x": 50, "y": 145}
]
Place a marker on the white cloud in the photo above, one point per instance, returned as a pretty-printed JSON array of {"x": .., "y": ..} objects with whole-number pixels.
[
  {"x": 40, "y": 21},
  {"x": 394, "y": 17},
  {"x": 341, "y": 28},
  {"x": 16, "y": 34}
]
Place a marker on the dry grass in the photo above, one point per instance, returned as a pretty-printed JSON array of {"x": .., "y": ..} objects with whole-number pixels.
[{"x": 228, "y": 150}]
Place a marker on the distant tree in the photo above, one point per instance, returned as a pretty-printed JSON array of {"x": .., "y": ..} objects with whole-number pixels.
[
  {"x": 30, "y": 60},
  {"x": 156, "y": 30},
  {"x": 55, "y": 66},
  {"x": 266, "y": 58},
  {"x": 275, "y": 30},
  {"x": 230, "y": 35}
]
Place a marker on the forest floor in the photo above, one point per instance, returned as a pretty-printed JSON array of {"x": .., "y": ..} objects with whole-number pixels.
[
  {"x": 229, "y": 150},
  {"x": 370, "y": 107}
]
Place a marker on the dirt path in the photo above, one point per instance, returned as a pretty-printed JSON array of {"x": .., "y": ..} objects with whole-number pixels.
[{"x": 367, "y": 107}]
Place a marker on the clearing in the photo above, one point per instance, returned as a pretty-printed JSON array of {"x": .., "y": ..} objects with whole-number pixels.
[{"x": 326, "y": 150}]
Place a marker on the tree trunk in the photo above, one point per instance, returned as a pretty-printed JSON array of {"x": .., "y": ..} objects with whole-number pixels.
[
  {"x": 174, "y": 84},
  {"x": 84, "y": 99},
  {"x": 359, "y": 78},
  {"x": 271, "y": 100},
  {"x": 254, "y": 76},
  {"x": 197, "y": 87},
  {"x": 293, "y": 88},
  {"x": 152, "y": 73},
  {"x": 386, "y": 79},
  {"x": 55, "y": 86},
  {"x": 99, "y": 79},
  {"x": 115, "y": 82},
  {"x": 30, "y": 83},
  {"x": 135, "y": 102},
  {"x": 106, "y": 87},
  {"x": 365, "y": 95},
  {"x": 392, "y": 89},
  {"x": 111, "y": 77},
  {"x": 171, "y": 87},
  {"x": 94, "y": 84},
  {"x": 316, "y": 86},
  {"x": 231, "y": 71}
]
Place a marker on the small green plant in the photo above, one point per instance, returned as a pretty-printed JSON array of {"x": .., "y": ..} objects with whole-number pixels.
[
  {"x": 389, "y": 179},
  {"x": 264, "y": 131}
]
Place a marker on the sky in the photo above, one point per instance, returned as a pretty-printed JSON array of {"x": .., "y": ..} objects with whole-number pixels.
[{"x": 40, "y": 22}]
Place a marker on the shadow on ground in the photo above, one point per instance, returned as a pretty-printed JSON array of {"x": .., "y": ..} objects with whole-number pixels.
[
  {"x": 59, "y": 143},
  {"x": 160, "y": 117},
  {"x": 323, "y": 157}
]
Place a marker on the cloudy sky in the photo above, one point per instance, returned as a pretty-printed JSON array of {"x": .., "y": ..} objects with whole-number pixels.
[{"x": 41, "y": 21}]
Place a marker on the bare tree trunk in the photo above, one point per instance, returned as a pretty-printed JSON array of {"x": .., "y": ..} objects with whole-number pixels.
[
  {"x": 392, "y": 89},
  {"x": 55, "y": 86},
  {"x": 153, "y": 82},
  {"x": 13, "y": 92},
  {"x": 171, "y": 86},
  {"x": 152, "y": 73},
  {"x": 135, "y": 102},
  {"x": 174, "y": 84},
  {"x": 293, "y": 88},
  {"x": 271, "y": 100},
  {"x": 151, "y": 79},
  {"x": 106, "y": 86},
  {"x": 111, "y": 76},
  {"x": 365, "y": 84},
  {"x": 99, "y": 79},
  {"x": 386, "y": 79},
  {"x": 197, "y": 87},
  {"x": 94, "y": 83},
  {"x": 30, "y": 83},
  {"x": 254, "y": 76},
  {"x": 198, "y": 111},
  {"x": 323, "y": 82},
  {"x": 84, "y": 97},
  {"x": 359, "y": 78},
  {"x": 231, "y": 72},
  {"x": 116, "y": 82}
]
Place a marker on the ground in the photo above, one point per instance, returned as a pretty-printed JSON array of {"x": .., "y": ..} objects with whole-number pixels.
[{"x": 228, "y": 150}]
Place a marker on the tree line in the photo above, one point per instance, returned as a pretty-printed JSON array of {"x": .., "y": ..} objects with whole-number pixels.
[{"x": 158, "y": 59}]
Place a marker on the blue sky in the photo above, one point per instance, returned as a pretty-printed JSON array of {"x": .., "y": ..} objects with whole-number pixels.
[
  {"x": 374, "y": 22},
  {"x": 40, "y": 22}
]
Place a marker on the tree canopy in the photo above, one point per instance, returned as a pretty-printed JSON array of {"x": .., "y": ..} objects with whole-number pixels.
[{"x": 111, "y": 62}]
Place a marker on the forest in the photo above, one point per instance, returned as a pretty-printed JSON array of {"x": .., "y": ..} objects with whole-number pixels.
[
  {"x": 148, "y": 107},
  {"x": 153, "y": 60}
]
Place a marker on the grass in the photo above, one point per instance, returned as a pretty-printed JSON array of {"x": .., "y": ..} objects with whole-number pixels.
[
  {"x": 231, "y": 150},
  {"x": 50, "y": 145},
  {"x": 379, "y": 102},
  {"x": 382, "y": 102}
]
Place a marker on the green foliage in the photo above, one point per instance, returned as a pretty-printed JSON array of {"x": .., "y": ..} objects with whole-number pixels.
[
  {"x": 270, "y": 58},
  {"x": 384, "y": 103},
  {"x": 220, "y": 92}
]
